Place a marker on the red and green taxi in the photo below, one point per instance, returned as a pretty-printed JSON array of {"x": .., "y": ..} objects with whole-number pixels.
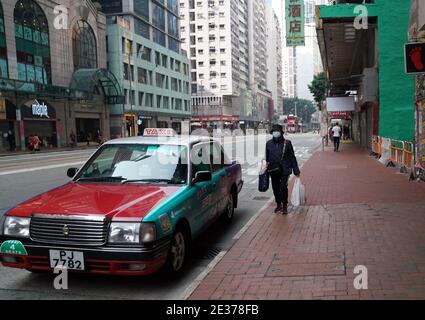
[{"x": 133, "y": 208}]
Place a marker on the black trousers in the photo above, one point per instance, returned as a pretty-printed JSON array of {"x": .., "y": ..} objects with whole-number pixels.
[
  {"x": 336, "y": 143},
  {"x": 280, "y": 188}
]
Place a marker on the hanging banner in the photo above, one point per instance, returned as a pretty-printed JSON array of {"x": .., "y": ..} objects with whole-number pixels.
[{"x": 294, "y": 23}]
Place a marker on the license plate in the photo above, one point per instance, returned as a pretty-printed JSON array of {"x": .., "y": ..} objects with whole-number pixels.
[{"x": 72, "y": 260}]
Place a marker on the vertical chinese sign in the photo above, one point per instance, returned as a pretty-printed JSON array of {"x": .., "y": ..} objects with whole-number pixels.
[{"x": 295, "y": 23}]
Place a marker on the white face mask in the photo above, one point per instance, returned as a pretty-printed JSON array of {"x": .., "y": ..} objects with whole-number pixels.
[{"x": 276, "y": 134}]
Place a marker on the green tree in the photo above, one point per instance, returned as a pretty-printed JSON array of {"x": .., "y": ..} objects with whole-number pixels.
[
  {"x": 318, "y": 88},
  {"x": 305, "y": 108}
]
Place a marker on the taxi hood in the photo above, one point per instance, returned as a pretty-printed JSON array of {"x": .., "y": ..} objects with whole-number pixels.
[{"x": 112, "y": 201}]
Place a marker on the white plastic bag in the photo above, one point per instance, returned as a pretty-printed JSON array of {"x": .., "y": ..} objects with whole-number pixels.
[{"x": 298, "y": 193}]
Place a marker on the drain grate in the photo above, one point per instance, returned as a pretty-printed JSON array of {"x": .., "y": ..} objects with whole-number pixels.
[
  {"x": 261, "y": 198},
  {"x": 205, "y": 253}
]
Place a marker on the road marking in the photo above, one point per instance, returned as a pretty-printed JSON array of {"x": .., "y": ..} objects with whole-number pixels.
[
  {"x": 54, "y": 154},
  {"x": 42, "y": 168},
  {"x": 192, "y": 287}
]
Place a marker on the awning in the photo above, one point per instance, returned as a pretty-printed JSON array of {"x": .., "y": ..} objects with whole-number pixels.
[
  {"x": 345, "y": 51},
  {"x": 92, "y": 79}
]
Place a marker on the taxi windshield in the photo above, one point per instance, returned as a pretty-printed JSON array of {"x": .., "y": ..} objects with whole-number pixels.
[{"x": 128, "y": 163}]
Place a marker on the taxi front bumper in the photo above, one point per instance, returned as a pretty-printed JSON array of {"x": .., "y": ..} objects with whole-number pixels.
[{"x": 114, "y": 260}]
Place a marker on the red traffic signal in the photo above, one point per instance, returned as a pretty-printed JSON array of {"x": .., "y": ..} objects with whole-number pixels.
[{"x": 415, "y": 57}]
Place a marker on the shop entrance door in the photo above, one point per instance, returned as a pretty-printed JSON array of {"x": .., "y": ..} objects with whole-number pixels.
[
  {"x": 44, "y": 129},
  {"x": 88, "y": 130}
]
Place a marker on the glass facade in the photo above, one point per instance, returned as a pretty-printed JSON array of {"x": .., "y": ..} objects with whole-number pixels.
[
  {"x": 84, "y": 46},
  {"x": 158, "y": 17},
  {"x": 3, "y": 49},
  {"x": 111, "y": 6},
  {"x": 173, "y": 5},
  {"x": 32, "y": 42},
  {"x": 141, "y": 8},
  {"x": 141, "y": 28},
  {"x": 159, "y": 37}
]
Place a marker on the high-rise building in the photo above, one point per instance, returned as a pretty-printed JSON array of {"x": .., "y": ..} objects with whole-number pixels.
[
  {"x": 258, "y": 53},
  {"x": 145, "y": 55},
  {"x": 210, "y": 34},
  {"x": 226, "y": 42},
  {"x": 274, "y": 58}
]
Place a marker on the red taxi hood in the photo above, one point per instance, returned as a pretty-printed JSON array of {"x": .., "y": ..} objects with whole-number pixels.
[{"x": 112, "y": 201}]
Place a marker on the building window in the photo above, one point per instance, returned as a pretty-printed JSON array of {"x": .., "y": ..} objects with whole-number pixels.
[
  {"x": 173, "y": 44},
  {"x": 142, "y": 76},
  {"x": 174, "y": 84},
  {"x": 173, "y": 5},
  {"x": 145, "y": 53},
  {"x": 160, "y": 78},
  {"x": 141, "y": 8},
  {"x": 32, "y": 42},
  {"x": 84, "y": 46},
  {"x": 173, "y": 26},
  {"x": 166, "y": 103},
  {"x": 164, "y": 60},
  {"x": 158, "y": 18},
  {"x": 149, "y": 100},
  {"x": 3, "y": 49},
  {"x": 159, "y": 37},
  {"x": 141, "y": 28}
]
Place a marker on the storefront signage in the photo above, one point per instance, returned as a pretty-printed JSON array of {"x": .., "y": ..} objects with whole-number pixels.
[
  {"x": 340, "y": 115},
  {"x": 295, "y": 23},
  {"x": 40, "y": 109},
  {"x": 141, "y": 117}
]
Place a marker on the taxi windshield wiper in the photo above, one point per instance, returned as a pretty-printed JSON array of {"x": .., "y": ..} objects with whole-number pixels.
[
  {"x": 150, "y": 180},
  {"x": 101, "y": 179}
]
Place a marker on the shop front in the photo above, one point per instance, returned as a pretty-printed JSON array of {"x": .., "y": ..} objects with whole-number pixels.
[
  {"x": 39, "y": 119},
  {"x": 7, "y": 125}
]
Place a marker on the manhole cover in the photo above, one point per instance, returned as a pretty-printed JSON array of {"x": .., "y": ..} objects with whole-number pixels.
[{"x": 307, "y": 264}]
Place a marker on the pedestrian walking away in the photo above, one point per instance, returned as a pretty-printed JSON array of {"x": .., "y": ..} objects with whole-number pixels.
[
  {"x": 336, "y": 133},
  {"x": 281, "y": 163}
]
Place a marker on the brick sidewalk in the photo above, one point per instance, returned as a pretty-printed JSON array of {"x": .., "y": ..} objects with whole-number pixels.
[{"x": 358, "y": 212}]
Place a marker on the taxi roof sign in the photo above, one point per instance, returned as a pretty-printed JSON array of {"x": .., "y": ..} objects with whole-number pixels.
[{"x": 159, "y": 132}]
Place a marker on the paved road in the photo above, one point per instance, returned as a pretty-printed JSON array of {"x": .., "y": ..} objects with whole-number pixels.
[{"x": 24, "y": 176}]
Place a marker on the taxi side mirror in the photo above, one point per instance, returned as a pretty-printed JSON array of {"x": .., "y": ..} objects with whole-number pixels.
[
  {"x": 202, "y": 176},
  {"x": 71, "y": 172}
]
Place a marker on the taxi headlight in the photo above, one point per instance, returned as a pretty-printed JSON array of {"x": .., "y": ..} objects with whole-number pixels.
[
  {"x": 17, "y": 227},
  {"x": 124, "y": 232}
]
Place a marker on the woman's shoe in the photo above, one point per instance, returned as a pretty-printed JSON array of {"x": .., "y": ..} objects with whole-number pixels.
[{"x": 278, "y": 208}]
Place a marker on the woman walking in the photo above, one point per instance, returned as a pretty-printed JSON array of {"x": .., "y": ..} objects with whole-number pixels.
[{"x": 281, "y": 163}]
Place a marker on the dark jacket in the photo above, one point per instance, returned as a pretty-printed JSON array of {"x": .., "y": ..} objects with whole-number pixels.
[{"x": 274, "y": 155}]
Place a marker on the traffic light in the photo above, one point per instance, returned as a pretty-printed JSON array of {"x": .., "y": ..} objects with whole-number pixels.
[{"x": 415, "y": 57}]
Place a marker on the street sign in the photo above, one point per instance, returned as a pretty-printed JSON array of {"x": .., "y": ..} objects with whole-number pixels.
[
  {"x": 414, "y": 57},
  {"x": 295, "y": 23}
]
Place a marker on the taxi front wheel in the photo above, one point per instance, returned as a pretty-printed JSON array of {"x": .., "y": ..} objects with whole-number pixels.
[
  {"x": 178, "y": 251},
  {"x": 230, "y": 208}
]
